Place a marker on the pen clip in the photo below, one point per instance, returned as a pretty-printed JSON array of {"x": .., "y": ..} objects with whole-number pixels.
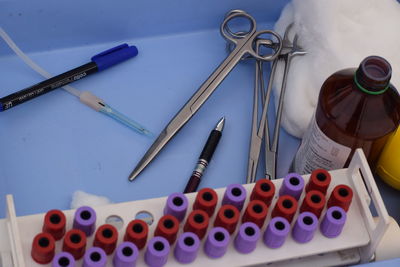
[{"x": 114, "y": 56}]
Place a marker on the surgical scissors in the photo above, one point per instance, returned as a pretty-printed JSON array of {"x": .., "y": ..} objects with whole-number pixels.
[{"x": 245, "y": 42}]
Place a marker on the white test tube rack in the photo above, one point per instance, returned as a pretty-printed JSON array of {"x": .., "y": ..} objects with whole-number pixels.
[{"x": 357, "y": 243}]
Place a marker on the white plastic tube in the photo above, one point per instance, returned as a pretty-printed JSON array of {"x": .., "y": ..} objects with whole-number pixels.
[{"x": 32, "y": 64}]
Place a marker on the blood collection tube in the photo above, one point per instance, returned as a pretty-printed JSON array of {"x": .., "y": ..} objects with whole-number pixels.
[
  {"x": 95, "y": 257},
  {"x": 197, "y": 223},
  {"x": 256, "y": 212},
  {"x": 176, "y": 205},
  {"x": 136, "y": 232},
  {"x": 333, "y": 222},
  {"x": 85, "y": 220},
  {"x": 247, "y": 237},
  {"x": 157, "y": 252},
  {"x": 235, "y": 194},
  {"x": 106, "y": 237},
  {"x": 167, "y": 227},
  {"x": 63, "y": 259},
  {"x": 217, "y": 242},
  {"x": 187, "y": 247},
  {"x": 305, "y": 227},
  {"x": 206, "y": 199},
  {"x": 75, "y": 243},
  {"x": 319, "y": 180},
  {"x": 285, "y": 207},
  {"x": 263, "y": 190},
  {"x": 126, "y": 255},
  {"x": 314, "y": 202},
  {"x": 227, "y": 217},
  {"x": 341, "y": 196},
  {"x": 277, "y": 231},
  {"x": 292, "y": 185},
  {"x": 43, "y": 248},
  {"x": 54, "y": 223}
]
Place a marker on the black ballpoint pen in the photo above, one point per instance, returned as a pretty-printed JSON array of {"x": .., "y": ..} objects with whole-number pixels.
[
  {"x": 98, "y": 63},
  {"x": 205, "y": 157}
]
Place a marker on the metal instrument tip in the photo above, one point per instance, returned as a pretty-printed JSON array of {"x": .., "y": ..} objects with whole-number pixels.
[
  {"x": 220, "y": 125},
  {"x": 134, "y": 174}
]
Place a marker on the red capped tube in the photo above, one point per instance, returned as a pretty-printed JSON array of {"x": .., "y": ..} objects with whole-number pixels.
[
  {"x": 319, "y": 180},
  {"x": 137, "y": 232},
  {"x": 314, "y": 202},
  {"x": 341, "y": 196},
  {"x": 75, "y": 243},
  {"x": 197, "y": 223},
  {"x": 256, "y": 212},
  {"x": 43, "y": 248},
  {"x": 227, "y": 217},
  {"x": 285, "y": 207},
  {"x": 106, "y": 237},
  {"x": 54, "y": 224},
  {"x": 263, "y": 190},
  {"x": 167, "y": 227},
  {"x": 206, "y": 199}
]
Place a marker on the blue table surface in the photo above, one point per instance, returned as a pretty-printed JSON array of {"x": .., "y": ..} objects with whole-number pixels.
[
  {"x": 54, "y": 145},
  {"x": 387, "y": 263}
]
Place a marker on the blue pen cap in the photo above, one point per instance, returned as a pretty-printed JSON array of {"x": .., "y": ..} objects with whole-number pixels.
[{"x": 114, "y": 56}]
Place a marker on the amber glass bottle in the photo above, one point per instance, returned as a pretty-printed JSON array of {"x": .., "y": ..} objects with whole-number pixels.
[{"x": 357, "y": 108}]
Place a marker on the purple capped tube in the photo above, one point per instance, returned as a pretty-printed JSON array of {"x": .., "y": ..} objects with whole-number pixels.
[
  {"x": 235, "y": 194},
  {"x": 247, "y": 237},
  {"x": 95, "y": 257},
  {"x": 157, "y": 252},
  {"x": 292, "y": 185},
  {"x": 187, "y": 247},
  {"x": 305, "y": 226},
  {"x": 277, "y": 231},
  {"x": 333, "y": 222},
  {"x": 217, "y": 242},
  {"x": 85, "y": 220},
  {"x": 177, "y": 204},
  {"x": 63, "y": 259},
  {"x": 126, "y": 255}
]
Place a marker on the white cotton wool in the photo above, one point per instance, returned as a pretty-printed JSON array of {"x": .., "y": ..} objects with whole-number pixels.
[
  {"x": 336, "y": 34},
  {"x": 80, "y": 198}
]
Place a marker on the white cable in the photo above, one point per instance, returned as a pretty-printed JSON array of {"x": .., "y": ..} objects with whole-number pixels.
[{"x": 32, "y": 64}]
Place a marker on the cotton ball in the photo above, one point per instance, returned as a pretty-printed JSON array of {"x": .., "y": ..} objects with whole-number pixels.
[
  {"x": 80, "y": 198},
  {"x": 336, "y": 34},
  {"x": 285, "y": 19}
]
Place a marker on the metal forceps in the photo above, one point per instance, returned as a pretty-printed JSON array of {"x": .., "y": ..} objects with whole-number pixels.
[
  {"x": 288, "y": 51},
  {"x": 257, "y": 133},
  {"x": 245, "y": 43}
]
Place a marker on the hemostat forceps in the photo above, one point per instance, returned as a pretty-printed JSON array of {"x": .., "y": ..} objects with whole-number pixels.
[
  {"x": 257, "y": 133},
  {"x": 289, "y": 50},
  {"x": 245, "y": 43}
]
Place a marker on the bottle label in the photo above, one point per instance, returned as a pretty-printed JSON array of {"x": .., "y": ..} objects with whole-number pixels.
[{"x": 319, "y": 151}]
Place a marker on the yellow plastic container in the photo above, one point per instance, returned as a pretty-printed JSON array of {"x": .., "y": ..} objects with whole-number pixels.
[{"x": 388, "y": 167}]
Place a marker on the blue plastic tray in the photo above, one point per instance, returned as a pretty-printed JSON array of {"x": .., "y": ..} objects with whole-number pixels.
[{"x": 54, "y": 145}]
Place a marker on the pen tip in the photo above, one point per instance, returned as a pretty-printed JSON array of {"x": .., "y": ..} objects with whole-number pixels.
[{"x": 220, "y": 124}]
